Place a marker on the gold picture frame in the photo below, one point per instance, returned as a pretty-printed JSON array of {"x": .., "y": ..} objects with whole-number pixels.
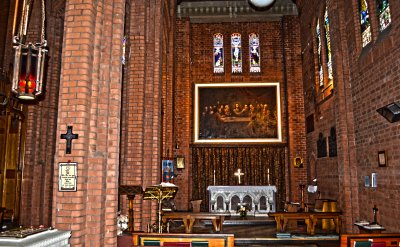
[
  {"x": 298, "y": 162},
  {"x": 180, "y": 162},
  {"x": 382, "y": 158},
  {"x": 237, "y": 113}
]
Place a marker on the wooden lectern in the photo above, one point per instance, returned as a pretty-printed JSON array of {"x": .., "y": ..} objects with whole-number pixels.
[
  {"x": 160, "y": 192},
  {"x": 130, "y": 191}
]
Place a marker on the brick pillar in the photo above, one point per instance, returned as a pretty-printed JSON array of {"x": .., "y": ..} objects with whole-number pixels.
[
  {"x": 90, "y": 101},
  {"x": 183, "y": 98},
  {"x": 142, "y": 130},
  {"x": 295, "y": 106}
]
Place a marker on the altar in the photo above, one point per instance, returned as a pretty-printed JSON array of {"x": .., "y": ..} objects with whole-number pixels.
[{"x": 257, "y": 199}]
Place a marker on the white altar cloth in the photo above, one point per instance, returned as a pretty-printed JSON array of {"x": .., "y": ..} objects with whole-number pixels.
[{"x": 258, "y": 199}]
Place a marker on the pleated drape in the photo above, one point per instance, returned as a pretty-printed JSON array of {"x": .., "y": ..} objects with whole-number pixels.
[{"x": 222, "y": 162}]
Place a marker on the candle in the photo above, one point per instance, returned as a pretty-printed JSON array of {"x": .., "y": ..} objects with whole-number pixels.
[
  {"x": 214, "y": 176},
  {"x": 268, "y": 175}
]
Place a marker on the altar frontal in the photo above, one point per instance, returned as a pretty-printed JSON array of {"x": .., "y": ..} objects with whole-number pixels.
[{"x": 258, "y": 200}]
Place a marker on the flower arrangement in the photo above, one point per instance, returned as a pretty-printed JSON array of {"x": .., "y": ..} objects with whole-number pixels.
[
  {"x": 242, "y": 210},
  {"x": 122, "y": 223}
]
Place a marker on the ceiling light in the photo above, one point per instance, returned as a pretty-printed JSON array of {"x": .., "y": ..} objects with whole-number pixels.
[{"x": 261, "y": 3}]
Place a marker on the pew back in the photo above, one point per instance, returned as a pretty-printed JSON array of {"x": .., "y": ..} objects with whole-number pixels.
[
  {"x": 373, "y": 240},
  {"x": 214, "y": 240}
]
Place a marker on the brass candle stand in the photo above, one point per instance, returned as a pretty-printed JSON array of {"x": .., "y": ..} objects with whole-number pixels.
[{"x": 160, "y": 192}]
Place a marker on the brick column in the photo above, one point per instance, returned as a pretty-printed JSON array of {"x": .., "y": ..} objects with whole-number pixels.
[
  {"x": 295, "y": 100},
  {"x": 90, "y": 101},
  {"x": 143, "y": 93}
]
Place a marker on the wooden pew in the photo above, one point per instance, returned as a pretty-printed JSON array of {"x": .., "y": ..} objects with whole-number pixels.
[
  {"x": 378, "y": 239},
  {"x": 189, "y": 218},
  {"x": 310, "y": 218},
  {"x": 213, "y": 240}
]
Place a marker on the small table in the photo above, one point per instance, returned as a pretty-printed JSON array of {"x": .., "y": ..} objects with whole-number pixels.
[{"x": 366, "y": 227}]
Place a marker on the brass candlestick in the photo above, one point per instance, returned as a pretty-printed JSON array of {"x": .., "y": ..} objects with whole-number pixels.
[
  {"x": 375, "y": 211},
  {"x": 302, "y": 187}
]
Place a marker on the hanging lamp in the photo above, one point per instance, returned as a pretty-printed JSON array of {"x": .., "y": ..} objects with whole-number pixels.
[
  {"x": 261, "y": 3},
  {"x": 29, "y": 58}
]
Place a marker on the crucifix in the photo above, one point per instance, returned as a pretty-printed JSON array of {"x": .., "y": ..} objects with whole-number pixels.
[
  {"x": 238, "y": 174},
  {"x": 69, "y": 137}
]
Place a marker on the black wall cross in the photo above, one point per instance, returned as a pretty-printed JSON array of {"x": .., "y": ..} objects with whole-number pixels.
[{"x": 69, "y": 137}]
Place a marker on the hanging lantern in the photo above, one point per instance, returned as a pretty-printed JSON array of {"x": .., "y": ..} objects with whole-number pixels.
[{"x": 29, "y": 60}]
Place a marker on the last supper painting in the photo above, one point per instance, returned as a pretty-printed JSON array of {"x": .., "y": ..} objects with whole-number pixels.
[{"x": 237, "y": 112}]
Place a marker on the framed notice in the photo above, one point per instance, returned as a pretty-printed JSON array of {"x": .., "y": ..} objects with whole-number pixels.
[{"x": 67, "y": 176}]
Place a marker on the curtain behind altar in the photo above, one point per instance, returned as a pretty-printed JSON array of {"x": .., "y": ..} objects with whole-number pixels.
[{"x": 253, "y": 161}]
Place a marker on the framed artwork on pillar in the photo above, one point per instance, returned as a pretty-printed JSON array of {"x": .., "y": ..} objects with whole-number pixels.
[
  {"x": 382, "y": 159},
  {"x": 180, "y": 162},
  {"x": 167, "y": 166},
  {"x": 237, "y": 113}
]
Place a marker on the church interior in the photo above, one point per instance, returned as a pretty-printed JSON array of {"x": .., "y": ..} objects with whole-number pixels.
[{"x": 200, "y": 111}]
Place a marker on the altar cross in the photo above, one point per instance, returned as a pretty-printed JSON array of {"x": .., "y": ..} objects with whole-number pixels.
[
  {"x": 69, "y": 137},
  {"x": 238, "y": 174}
]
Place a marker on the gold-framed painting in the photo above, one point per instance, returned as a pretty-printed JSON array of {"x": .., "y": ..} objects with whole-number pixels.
[{"x": 237, "y": 113}]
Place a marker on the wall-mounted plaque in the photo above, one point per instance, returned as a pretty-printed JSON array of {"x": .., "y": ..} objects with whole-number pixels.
[{"x": 67, "y": 176}]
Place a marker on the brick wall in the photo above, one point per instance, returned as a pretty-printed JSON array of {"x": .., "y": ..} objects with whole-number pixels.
[
  {"x": 365, "y": 79},
  {"x": 280, "y": 56}
]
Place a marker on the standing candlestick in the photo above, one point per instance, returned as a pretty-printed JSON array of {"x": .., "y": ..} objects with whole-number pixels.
[
  {"x": 214, "y": 176},
  {"x": 268, "y": 176}
]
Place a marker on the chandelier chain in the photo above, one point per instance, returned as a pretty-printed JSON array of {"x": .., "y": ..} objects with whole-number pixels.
[
  {"x": 25, "y": 16},
  {"x": 24, "y": 19},
  {"x": 43, "y": 20}
]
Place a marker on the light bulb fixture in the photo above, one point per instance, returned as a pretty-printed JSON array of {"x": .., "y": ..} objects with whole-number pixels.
[
  {"x": 261, "y": 3},
  {"x": 29, "y": 58}
]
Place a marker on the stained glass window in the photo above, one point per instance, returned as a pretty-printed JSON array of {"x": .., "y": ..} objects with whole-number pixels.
[
  {"x": 364, "y": 22},
  {"x": 328, "y": 46},
  {"x": 254, "y": 51},
  {"x": 319, "y": 50},
  {"x": 236, "y": 51},
  {"x": 218, "y": 53},
  {"x": 383, "y": 11}
]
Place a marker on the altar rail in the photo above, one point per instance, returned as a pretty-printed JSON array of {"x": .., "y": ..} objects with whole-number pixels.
[
  {"x": 257, "y": 199},
  {"x": 211, "y": 240}
]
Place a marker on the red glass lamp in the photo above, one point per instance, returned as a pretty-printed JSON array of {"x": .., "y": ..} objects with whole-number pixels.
[{"x": 29, "y": 60}]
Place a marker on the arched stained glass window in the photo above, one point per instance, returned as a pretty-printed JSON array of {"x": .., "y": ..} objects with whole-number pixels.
[
  {"x": 383, "y": 11},
  {"x": 319, "y": 52},
  {"x": 218, "y": 53},
  {"x": 236, "y": 52},
  {"x": 254, "y": 51},
  {"x": 364, "y": 22},
  {"x": 328, "y": 46}
]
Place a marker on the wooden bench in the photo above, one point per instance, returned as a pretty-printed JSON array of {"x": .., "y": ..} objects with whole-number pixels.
[
  {"x": 212, "y": 240},
  {"x": 381, "y": 239},
  {"x": 310, "y": 219},
  {"x": 189, "y": 218}
]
